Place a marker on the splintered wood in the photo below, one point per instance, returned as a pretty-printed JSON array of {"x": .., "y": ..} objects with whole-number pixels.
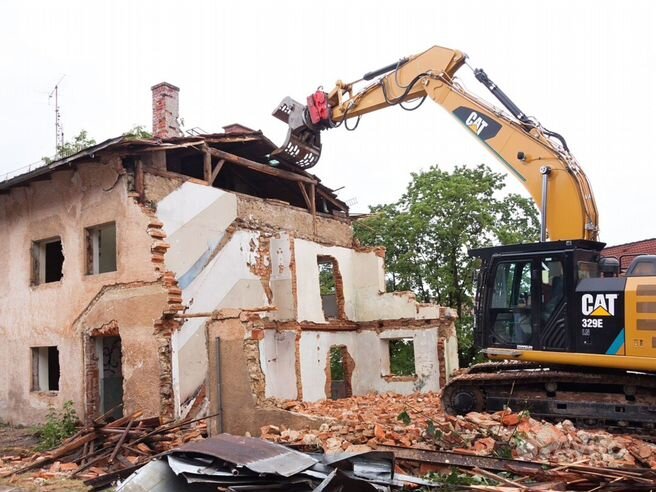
[{"x": 104, "y": 448}]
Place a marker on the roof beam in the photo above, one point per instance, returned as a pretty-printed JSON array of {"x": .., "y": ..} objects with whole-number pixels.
[
  {"x": 332, "y": 200},
  {"x": 263, "y": 168}
]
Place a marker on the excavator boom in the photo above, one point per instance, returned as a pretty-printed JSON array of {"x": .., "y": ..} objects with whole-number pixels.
[
  {"x": 575, "y": 338},
  {"x": 537, "y": 157}
]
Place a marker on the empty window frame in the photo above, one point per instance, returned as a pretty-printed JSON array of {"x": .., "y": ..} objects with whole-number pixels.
[
  {"x": 101, "y": 248},
  {"x": 45, "y": 369},
  {"x": 47, "y": 261},
  {"x": 330, "y": 287},
  {"x": 402, "y": 357}
]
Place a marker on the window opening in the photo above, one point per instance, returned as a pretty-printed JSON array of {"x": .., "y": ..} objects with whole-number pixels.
[
  {"x": 402, "y": 357},
  {"x": 330, "y": 287},
  {"x": 101, "y": 249},
  {"x": 47, "y": 261},
  {"x": 45, "y": 369}
]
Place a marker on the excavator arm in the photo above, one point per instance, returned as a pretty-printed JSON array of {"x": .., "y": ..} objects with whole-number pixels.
[{"x": 537, "y": 157}]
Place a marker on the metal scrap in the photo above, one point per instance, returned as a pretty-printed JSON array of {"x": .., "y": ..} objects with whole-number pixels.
[{"x": 245, "y": 463}]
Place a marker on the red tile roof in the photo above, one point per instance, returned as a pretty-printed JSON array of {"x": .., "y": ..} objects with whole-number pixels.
[{"x": 627, "y": 251}]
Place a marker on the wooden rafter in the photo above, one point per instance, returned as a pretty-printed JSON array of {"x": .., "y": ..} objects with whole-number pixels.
[
  {"x": 216, "y": 171},
  {"x": 332, "y": 200},
  {"x": 305, "y": 195},
  {"x": 263, "y": 168}
]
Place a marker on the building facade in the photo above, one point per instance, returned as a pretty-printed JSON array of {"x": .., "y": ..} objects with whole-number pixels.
[{"x": 195, "y": 276}]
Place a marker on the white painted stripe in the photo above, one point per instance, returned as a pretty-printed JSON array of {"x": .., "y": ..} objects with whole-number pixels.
[{"x": 183, "y": 204}]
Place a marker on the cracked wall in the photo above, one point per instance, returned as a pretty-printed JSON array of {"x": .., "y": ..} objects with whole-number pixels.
[
  {"x": 53, "y": 314},
  {"x": 256, "y": 253},
  {"x": 184, "y": 247}
]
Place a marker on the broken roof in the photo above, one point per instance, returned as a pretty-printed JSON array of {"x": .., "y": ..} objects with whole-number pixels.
[{"x": 237, "y": 145}]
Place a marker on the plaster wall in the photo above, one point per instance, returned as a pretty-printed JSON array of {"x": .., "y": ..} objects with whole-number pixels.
[
  {"x": 282, "y": 278},
  {"x": 278, "y": 360},
  {"x": 215, "y": 267},
  {"x": 44, "y": 315},
  {"x": 363, "y": 278},
  {"x": 231, "y": 379},
  {"x": 370, "y": 353},
  {"x": 134, "y": 309},
  {"x": 451, "y": 354}
]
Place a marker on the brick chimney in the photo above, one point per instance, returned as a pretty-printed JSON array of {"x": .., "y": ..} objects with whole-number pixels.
[{"x": 165, "y": 110}]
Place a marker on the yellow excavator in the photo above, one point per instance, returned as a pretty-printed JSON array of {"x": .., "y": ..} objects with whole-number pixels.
[{"x": 568, "y": 335}]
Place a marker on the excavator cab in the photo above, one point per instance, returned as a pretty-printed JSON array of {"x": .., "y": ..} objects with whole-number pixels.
[{"x": 527, "y": 294}]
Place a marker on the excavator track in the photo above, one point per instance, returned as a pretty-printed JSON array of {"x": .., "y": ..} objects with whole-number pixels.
[{"x": 617, "y": 401}]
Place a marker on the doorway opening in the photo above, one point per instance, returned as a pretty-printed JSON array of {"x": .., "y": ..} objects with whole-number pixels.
[
  {"x": 339, "y": 373},
  {"x": 108, "y": 354}
]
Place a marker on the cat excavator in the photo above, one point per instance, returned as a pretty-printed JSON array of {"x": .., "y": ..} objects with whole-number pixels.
[{"x": 568, "y": 335}]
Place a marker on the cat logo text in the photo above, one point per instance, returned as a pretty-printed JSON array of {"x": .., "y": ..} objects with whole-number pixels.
[
  {"x": 598, "y": 304},
  {"x": 476, "y": 123}
]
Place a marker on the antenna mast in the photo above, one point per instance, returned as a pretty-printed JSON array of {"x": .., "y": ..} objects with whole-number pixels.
[{"x": 59, "y": 129}]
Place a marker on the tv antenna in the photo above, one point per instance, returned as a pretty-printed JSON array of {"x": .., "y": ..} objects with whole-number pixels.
[{"x": 59, "y": 129}]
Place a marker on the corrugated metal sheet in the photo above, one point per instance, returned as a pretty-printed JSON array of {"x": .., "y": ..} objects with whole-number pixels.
[{"x": 255, "y": 454}]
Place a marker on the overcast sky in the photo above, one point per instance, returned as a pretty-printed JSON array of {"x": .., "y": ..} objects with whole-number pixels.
[{"x": 585, "y": 69}]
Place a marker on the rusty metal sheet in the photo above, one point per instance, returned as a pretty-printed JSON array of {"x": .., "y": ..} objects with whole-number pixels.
[{"x": 255, "y": 454}]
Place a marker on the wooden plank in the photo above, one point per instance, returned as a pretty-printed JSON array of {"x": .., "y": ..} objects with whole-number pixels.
[
  {"x": 216, "y": 171},
  {"x": 139, "y": 185},
  {"x": 172, "y": 175},
  {"x": 207, "y": 166},
  {"x": 305, "y": 195},
  {"x": 263, "y": 168},
  {"x": 170, "y": 147},
  {"x": 332, "y": 200},
  {"x": 101, "y": 420},
  {"x": 124, "y": 420},
  {"x": 120, "y": 442},
  {"x": 313, "y": 200},
  {"x": 313, "y": 207},
  {"x": 57, "y": 453},
  {"x": 450, "y": 458},
  {"x": 502, "y": 480}
]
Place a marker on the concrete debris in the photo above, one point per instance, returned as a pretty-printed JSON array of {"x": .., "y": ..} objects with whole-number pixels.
[{"x": 416, "y": 421}]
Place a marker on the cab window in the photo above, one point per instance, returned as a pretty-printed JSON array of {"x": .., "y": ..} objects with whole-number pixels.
[
  {"x": 552, "y": 286},
  {"x": 587, "y": 269},
  {"x": 510, "y": 306}
]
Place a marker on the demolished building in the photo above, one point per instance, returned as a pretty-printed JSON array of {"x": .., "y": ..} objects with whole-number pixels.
[{"x": 182, "y": 275}]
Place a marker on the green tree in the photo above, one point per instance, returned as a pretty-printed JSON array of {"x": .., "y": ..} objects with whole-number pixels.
[
  {"x": 80, "y": 142},
  {"x": 138, "y": 132},
  {"x": 429, "y": 230}
]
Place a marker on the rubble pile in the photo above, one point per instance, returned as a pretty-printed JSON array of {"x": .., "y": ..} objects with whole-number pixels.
[
  {"x": 106, "y": 449},
  {"x": 415, "y": 421},
  {"x": 236, "y": 463}
]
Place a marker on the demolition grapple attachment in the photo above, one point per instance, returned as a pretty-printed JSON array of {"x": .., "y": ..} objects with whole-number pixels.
[{"x": 302, "y": 146}]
